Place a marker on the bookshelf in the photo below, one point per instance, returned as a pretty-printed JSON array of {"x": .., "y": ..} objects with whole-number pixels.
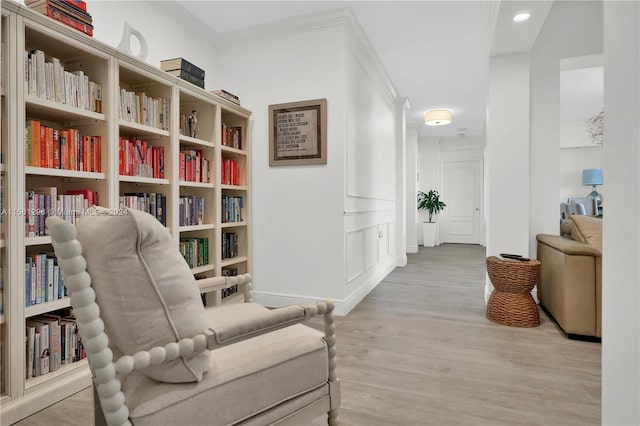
[
  {"x": 4, "y": 289},
  {"x": 131, "y": 146}
]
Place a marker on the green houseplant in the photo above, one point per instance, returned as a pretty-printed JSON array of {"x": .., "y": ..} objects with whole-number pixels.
[{"x": 431, "y": 202}]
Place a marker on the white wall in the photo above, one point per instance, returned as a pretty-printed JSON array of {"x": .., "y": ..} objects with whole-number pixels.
[
  {"x": 374, "y": 137},
  {"x": 428, "y": 173},
  {"x": 621, "y": 228},
  {"x": 571, "y": 29},
  {"x": 319, "y": 231},
  {"x": 412, "y": 189},
  {"x": 161, "y": 25},
  {"x": 507, "y": 157},
  {"x": 297, "y": 216}
]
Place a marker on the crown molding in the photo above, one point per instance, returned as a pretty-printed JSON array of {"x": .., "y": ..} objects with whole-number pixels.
[
  {"x": 358, "y": 41},
  {"x": 489, "y": 19}
]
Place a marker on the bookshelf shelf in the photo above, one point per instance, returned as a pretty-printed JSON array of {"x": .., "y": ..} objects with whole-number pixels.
[
  {"x": 142, "y": 129},
  {"x": 202, "y": 269},
  {"x": 196, "y": 184},
  {"x": 43, "y": 308},
  {"x": 66, "y": 369},
  {"x": 187, "y": 140},
  {"x": 121, "y": 78},
  {"x": 232, "y": 224},
  {"x": 234, "y": 151},
  {"x": 44, "y": 171},
  {"x": 140, "y": 179},
  {"x": 234, "y": 187},
  {"x": 37, "y": 241},
  {"x": 56, "y": 111},
  {"x": 233, "y": 261},
  {"x": 192, "y": 228}
]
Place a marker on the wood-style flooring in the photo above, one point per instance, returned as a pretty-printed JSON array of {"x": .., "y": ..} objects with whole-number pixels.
[{"x": 419, "y": 351}]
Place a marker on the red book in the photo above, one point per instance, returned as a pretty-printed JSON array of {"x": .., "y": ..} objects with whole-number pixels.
[
  {"x": 59, "y": 16},
  {"x": 56, "y": 149},
  {"x": 98, "y": 154}
]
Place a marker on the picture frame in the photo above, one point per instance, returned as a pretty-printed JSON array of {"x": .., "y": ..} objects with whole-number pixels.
[{"x": 298, "y": 133}]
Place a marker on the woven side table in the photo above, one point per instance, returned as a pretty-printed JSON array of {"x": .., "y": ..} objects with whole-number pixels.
[{"x": 511, "y": 302}]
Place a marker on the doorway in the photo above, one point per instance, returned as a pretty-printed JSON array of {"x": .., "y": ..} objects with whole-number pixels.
[{"x": 462, "y": 188}]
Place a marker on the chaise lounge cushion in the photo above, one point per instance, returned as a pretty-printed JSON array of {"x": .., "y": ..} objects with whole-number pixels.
[
  {"x": 138, "y": 273},
  {"x": 244, "y": 379}
]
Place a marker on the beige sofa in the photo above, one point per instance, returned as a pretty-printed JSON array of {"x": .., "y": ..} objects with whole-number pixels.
[{"x": 570, "y": 282}]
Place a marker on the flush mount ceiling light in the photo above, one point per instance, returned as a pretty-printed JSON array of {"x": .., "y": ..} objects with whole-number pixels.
[
  {"x": 437, "y": 117},
  {"x": 521, "y": 17}
]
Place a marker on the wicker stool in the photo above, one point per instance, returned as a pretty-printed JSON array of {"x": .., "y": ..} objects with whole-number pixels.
[{"x": 511, "y": 302}]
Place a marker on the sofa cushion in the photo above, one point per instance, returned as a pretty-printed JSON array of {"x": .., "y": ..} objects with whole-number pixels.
[
  {"x": 275, "y": 367},
  {"x": 587, "y": 229},
  {"x": 138, "y": 273}
]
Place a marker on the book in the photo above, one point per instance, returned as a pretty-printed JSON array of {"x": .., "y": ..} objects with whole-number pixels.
[
  {"x": 181, "y": 64},
  {"x": 188, "y": 77},
  {"x": 226, "y": 95}
]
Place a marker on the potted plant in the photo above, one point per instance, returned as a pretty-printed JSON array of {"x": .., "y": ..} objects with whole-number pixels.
[{"x": 430, "y": 201}]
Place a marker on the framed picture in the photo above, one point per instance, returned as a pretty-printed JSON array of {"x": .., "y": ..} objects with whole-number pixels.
[{"x": 298, "y": 133}]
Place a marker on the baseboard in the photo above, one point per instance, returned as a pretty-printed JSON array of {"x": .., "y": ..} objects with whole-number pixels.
[
  {"x": 412, "y": 249},
  {"x": 343, "y": 307},
  {"x": 401, "y": 260},
  {"x": 352, "y": 300}
]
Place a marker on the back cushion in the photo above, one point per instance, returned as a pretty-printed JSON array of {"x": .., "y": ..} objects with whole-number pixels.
[
  {"x": 587, "y": 230},
  {"x": 146, "y": 292}
]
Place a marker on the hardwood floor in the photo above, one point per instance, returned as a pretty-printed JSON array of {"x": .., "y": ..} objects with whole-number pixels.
[{"x": 419, "y": 351}]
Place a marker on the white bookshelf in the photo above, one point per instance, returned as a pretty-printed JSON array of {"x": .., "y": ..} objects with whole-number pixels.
[{"x": 24, "y": 29}]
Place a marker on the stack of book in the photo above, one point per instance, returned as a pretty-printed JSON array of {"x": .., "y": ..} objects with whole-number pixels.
[
  {"x": 72, "y": 13},
  {"x": 226, "y": 95},
  {"x": 184, "y": 70}
]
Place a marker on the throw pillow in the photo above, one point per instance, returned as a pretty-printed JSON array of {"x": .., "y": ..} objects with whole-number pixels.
[
  {"x": 145, "y": 290},
  {"x": 587, "y": 229}
]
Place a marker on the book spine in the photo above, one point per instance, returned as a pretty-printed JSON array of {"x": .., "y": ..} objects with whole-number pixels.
[{"x": 69, "y": 21}]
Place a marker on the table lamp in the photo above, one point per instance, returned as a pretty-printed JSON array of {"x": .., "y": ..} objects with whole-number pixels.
[{"x": 593, "y": 177}]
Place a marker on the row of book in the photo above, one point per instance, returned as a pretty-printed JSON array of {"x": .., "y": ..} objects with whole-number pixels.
[
  {"x": 232, "y": 209},
  {"x": 153, "y": 203},
  {"x": 2, "y": 210},
  {"x": 226, "y": 95},
  {"x": 51, "y": 342},
  {"x": 43, "y": 280},
  {"x": 1, "y": 291},
  {"x": 138, "y": 158},
  {"x": 230, "y": 172},
  {"x": 43, "y": 202},
  {"x": 190, "y": 210},
  {"x": 193, "y": 167},
  {"x": 185, "y": 70},
  {"x": 229, "y": 291},
  {"x": 195, "y": 251},
  {"x": 65, "y": 149},
  {"x": 138, "y": 107},
  {"x": 46, "y": 78},
  {"x": 72, "y": 13},
  {"x": 229, "y": 245},
  {"x": 231, "y": 136}
]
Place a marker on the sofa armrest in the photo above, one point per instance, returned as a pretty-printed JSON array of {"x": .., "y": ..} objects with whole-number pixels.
[{"x": 568, "y": 246}]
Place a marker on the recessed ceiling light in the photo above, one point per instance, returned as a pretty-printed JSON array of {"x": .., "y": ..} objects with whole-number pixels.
[{"x": 521, "y": 17}]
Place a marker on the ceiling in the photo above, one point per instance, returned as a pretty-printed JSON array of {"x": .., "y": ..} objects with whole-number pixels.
[{"x": 436, "y": 53}]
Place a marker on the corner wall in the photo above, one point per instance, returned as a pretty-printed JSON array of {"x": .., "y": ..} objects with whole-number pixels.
[{"x": 621, "y": 227}]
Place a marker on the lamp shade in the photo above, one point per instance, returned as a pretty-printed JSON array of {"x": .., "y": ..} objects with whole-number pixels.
[
  {"x": 592, "y": 177},
  {"x": 437, "y": 117}
]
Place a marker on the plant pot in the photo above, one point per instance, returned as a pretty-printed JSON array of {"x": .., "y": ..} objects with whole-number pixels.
[{"x": 429, "y": 233}]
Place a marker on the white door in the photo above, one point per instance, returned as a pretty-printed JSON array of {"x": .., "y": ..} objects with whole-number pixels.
[{"x": 462, "y": 193}]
